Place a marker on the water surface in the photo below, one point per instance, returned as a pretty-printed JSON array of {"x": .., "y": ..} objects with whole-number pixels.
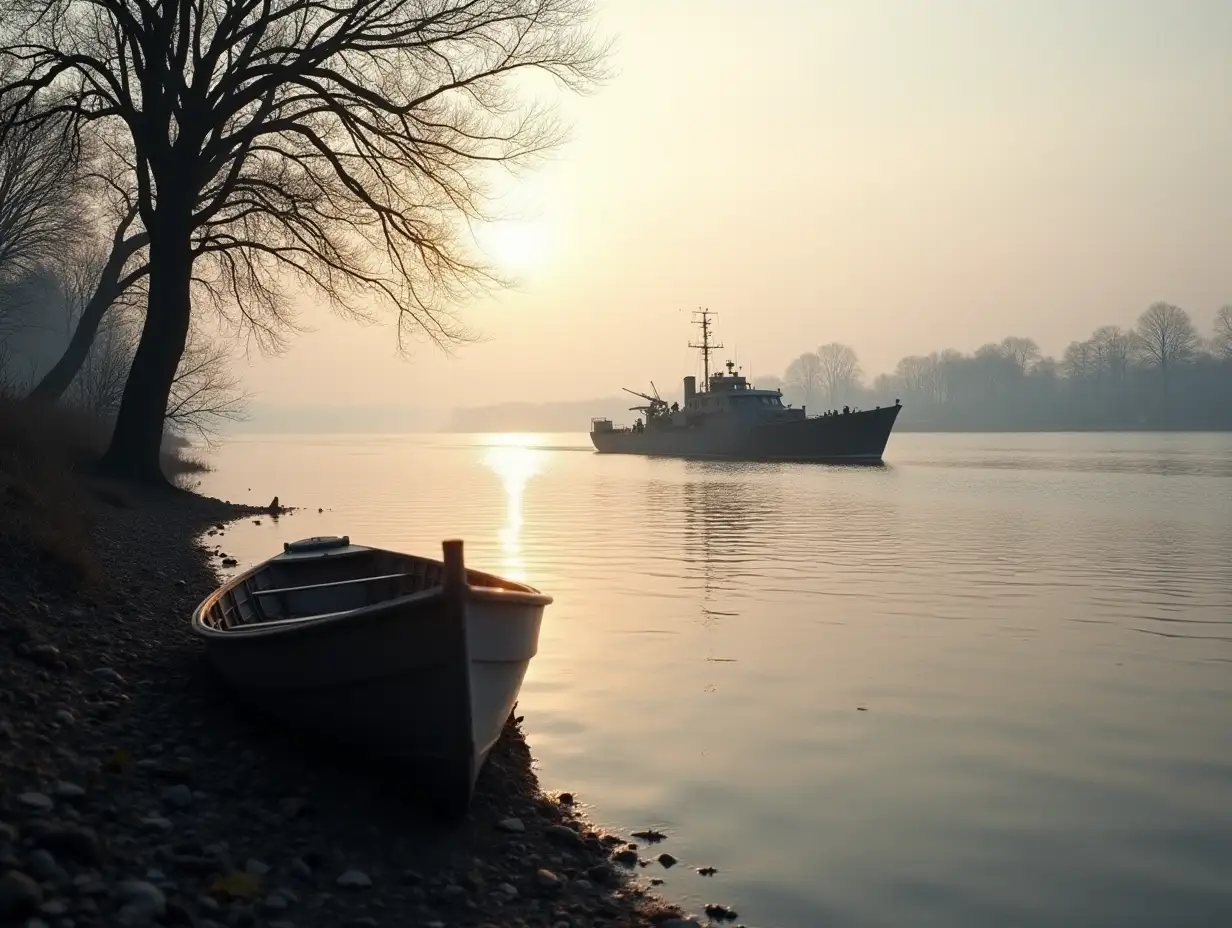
[{"x": 987, "y": 684}]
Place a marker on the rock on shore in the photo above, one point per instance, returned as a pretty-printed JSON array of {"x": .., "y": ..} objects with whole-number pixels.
[{"x": 134, "y": 791}]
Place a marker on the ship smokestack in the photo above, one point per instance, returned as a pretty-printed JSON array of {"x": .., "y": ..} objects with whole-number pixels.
[{"x": 690, "y": 388}]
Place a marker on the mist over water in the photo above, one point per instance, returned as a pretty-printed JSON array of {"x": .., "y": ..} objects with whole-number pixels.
[{"x": 1038, "y": 629}]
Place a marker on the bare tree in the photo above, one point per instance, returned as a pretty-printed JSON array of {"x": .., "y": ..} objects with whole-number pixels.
[
  {"x": 919, "y": 377},
  {"x": 100, "y": 281},
  {"x": 339, "y": 143},
  {"x": 1079, "y": 361},
  {"x": 840, "y": 369},
  {"x": 804, "y": 373},
  {"x": 205, "y": 394},
  {"x": 1112, "y": 348},
  {"x": 1165, "y": 335},
  {"x": 1024, "y": 352},
  {"x": 98, "y": 386},
  {"x": 40, "y": 211},
  {"x": 1222, "y": 339}
]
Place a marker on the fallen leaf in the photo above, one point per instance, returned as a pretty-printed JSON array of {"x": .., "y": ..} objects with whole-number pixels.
[
  {"x": 236, "y": 885},
  {"x": 120, "y": 761}
]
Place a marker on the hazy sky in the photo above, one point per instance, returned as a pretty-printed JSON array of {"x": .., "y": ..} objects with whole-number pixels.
[{"x": 900, "y": 176}]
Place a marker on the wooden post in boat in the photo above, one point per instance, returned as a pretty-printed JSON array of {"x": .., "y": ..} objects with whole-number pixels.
[{"x": 459, "y": 773}]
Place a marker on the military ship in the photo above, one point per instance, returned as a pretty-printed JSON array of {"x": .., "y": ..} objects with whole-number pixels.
[{"x": 730, "y": 418}]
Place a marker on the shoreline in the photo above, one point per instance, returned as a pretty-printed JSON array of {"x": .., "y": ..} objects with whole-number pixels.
[{"x": 134, "y": 790}]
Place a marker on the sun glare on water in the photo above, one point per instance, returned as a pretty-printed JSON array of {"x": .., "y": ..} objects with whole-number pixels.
[{"x": 514, "y": 461}]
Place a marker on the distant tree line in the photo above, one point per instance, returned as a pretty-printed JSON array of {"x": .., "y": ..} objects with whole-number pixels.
[{"x": 1161, "y": 374}]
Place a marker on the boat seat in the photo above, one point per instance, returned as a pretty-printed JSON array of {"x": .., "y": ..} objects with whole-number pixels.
[{"x": 333, "y": 585}]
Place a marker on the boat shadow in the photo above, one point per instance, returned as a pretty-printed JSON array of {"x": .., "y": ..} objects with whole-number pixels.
[{"x": 262, "y": 781}]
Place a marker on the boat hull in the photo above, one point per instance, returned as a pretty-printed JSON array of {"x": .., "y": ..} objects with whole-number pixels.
[
  {"x": 392, "y": 682},
  {"x": 855, "y": 437}
]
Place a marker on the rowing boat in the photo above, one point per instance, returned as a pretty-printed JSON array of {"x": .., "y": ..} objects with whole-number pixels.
[{"x": 403, "y": 658}]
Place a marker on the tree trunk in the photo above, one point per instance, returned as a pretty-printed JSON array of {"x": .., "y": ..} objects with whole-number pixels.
[
  {"x": 58, "y": 379},
  {"x": 136, "y": 444}
]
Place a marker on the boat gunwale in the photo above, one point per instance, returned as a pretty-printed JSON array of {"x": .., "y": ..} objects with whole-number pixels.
[{"x": 527, "y": 596}]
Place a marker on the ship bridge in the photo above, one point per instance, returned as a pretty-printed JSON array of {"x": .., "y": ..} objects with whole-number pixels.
[{"x": 732, "y": 380}]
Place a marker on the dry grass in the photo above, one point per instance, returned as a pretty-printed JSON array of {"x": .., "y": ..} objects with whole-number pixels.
[{"x": 45, "y": 497}]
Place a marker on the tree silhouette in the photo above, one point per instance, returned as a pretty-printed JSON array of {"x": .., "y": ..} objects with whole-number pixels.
[
  {"x": 804, "y": 374},
  {"x": 1222, "y": 340},
  {"x": 1165, "y": 335},
  {"x": 40, "y": 211},
  {"x": 840, "y": 370},
  {"x": 341, "y": 144},
  {"x": 1024, "y": 352}
]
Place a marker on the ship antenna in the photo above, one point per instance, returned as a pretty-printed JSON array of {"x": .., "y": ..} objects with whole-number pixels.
[{"x": 705, "y": 346}]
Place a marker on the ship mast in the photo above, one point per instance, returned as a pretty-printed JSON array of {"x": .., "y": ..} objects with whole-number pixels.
[{"x": 705, "y": 346}]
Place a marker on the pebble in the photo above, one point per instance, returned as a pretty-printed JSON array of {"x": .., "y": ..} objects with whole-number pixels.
[
  {"x": 507, "y": 889},
  {"x": 45, "y": 655},
  {"x": 625, "y": 856},
  {"x": 354, "y": 879},
  {"x": 140, "y": 899},
  {"x": 157, "y": 823},
  {"x": 667, "y": 860},
  {"x": 301, "y": 870},
  {"x": 548, "y": 880},
  {"x": 563, "y": 834},
  {"x": 54, "y": 908},
  {"x": 513, "y": 825},
  {"x": 721, "y": 912},
  {"x": 64, "y": 717},
  {"x": 275, "y": 902},
  {"x": 38, "y": 802},
  {"x": 108, "y": 675},
  {"x": 19, "y": 895},
  {"x": 178, "y": 796},
  {"x": 256, "y": 867},
  {"x": 69, "y": 791},
  {"x": 87, "y": 885},
  {"x": 42, "y": 865},
  {"x": 74, "y": 842}
]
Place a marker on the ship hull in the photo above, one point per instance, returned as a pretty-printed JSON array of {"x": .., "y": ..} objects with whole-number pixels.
[{"x": 855, "y": 437}]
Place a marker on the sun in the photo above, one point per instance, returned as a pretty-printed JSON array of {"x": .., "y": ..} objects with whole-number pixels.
[{"x": 514, "y": 245}]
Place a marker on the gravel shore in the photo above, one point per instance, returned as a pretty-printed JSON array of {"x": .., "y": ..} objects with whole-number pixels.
[{"x": 133, "y": 791}]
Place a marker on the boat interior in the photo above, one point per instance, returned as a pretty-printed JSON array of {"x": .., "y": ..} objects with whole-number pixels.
[{"x": 297, "y": 587}]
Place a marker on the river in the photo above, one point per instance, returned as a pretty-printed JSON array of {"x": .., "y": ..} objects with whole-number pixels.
[{"x": 989, "y": 683}]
